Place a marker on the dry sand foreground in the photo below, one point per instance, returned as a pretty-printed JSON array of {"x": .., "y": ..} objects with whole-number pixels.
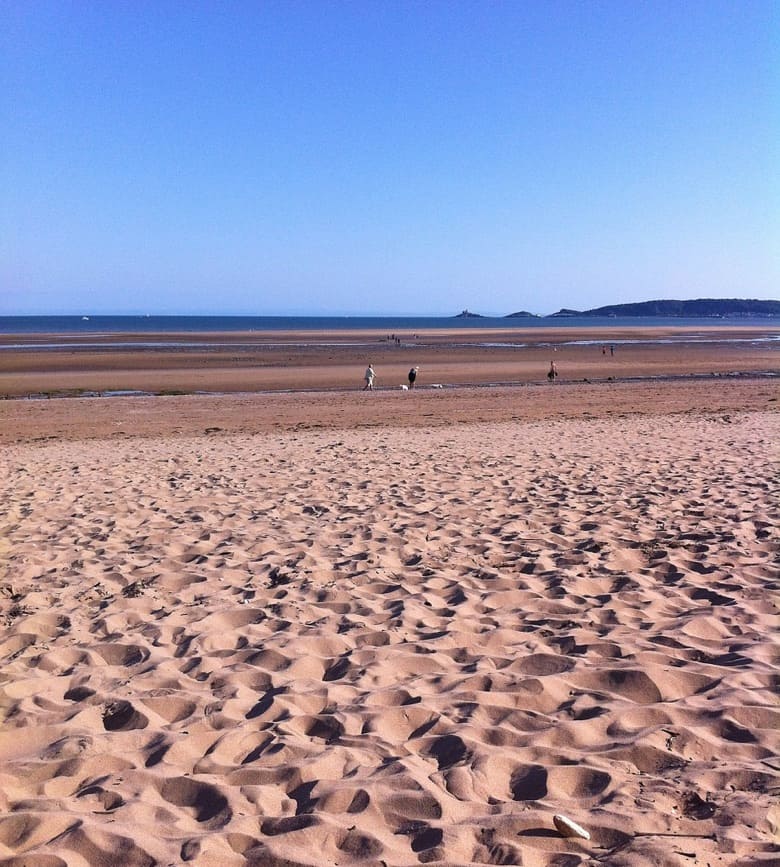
[{"x": 394, "y": 646}]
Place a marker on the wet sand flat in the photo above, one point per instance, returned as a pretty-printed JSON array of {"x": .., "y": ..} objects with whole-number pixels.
[
  {"x": 253, "y": 413},
  {"x": 274, "y": 361}
]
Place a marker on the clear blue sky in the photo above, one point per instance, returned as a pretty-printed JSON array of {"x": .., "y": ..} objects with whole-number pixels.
[{"x": 386, "y": 157}]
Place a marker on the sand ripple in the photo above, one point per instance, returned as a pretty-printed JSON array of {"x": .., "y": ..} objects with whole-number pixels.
[{"x": 394, "y": 647}]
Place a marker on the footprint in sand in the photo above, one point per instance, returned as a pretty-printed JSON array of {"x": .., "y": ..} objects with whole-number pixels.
[{"x": 121, "y": 716}]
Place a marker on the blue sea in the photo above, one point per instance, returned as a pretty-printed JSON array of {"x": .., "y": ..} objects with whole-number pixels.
[{"x": 389, "y": 324}]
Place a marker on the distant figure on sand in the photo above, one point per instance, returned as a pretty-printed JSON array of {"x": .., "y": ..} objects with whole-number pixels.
[
  {"x": 552, "y": 373},
  {"x": 413, "y": 376},
  {"x": 369, "y": 377}
]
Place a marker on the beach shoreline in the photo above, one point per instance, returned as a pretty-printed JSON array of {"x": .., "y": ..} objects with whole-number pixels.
[{"x": 79, "y": 417}]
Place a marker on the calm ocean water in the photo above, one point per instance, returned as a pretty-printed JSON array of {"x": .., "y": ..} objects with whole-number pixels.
[{"x": 389, "y": 324}]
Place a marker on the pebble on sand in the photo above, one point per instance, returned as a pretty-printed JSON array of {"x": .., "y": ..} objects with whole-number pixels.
[{"x": 567, "y": 828}]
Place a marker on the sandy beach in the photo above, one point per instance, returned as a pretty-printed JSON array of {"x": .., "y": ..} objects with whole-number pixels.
[{"x": 328, "y": 627}]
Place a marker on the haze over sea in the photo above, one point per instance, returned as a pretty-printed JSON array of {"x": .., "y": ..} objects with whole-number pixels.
[{"x": 390, "y": 324}]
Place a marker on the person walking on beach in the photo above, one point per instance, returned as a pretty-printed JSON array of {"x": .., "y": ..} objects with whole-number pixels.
[
  {"x": 369, "y": 377},
  {"x": 552, "y": 373},
  {"x": 413, "y": 376}
]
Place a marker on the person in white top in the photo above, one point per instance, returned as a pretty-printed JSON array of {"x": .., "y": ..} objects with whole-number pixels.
[{"x": 369, "y": 377}]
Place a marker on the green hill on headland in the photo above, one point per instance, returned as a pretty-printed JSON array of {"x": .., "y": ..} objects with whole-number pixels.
[{"x": 714, "y": 307}]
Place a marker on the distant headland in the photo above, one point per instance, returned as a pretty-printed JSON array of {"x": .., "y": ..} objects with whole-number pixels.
[{"x": 716, "y": 308}]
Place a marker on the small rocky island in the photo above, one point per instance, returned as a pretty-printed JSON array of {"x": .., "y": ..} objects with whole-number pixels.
[{"x": 467, "y": 314}]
